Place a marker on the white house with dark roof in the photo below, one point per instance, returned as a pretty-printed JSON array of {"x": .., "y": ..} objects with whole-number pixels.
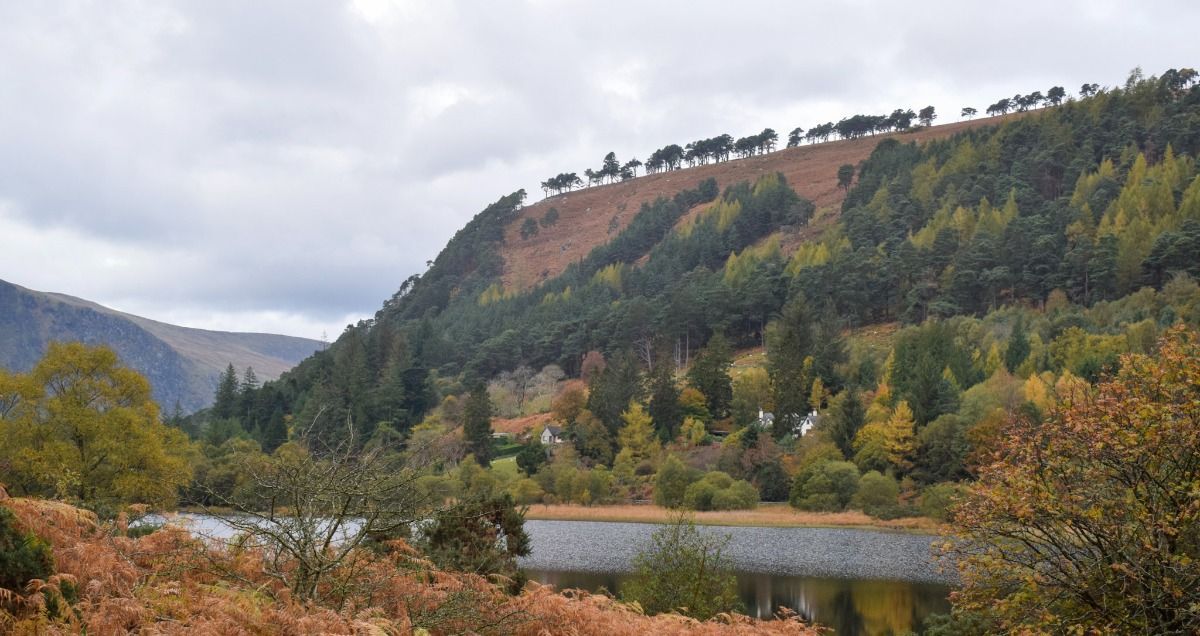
[{"x": 552, "y": 435}]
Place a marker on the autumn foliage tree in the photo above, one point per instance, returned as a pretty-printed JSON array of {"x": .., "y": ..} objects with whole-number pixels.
[
  {"x": 82, "y": 426},
  {"x": 1089, "y": 521}
]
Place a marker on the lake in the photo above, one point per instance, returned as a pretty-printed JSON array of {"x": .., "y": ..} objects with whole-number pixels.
[{"x": 855, "y": 581}]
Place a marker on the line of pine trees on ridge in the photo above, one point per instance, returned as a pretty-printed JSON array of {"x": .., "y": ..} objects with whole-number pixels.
[{"x": 719, "y": 148}]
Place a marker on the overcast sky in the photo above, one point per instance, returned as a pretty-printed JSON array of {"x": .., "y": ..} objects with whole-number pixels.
[{"x": 282, "y": 166}]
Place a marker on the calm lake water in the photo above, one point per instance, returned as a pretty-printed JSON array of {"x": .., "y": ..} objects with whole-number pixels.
[{"x": 854, "y": 581}]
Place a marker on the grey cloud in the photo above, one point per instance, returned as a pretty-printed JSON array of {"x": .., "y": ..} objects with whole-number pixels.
[{"x": 303, "y": 157}]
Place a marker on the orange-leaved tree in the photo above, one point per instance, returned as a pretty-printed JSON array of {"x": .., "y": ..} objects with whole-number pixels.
[{"x": 1087, "y": 520}]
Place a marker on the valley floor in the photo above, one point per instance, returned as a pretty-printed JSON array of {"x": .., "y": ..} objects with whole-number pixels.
[{"x": 767, "y": 515}]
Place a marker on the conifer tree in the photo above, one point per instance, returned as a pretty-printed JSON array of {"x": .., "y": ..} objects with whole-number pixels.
[
  {"x": 664, "y": 406},
  {"x": 637, "y": 436},
  {"x": 477, "y": 424},
  {"x": 710, "y": 375},
  {"x": 274, "y": 432},
  {"x": 790, "y": 363},
  {"x": 246, "y": 392},
  {"x": 843, "y": 420},
  {"x": 898, "y": 437},
  {"x": 225, "y": 401},
  {"x": 613, "y": 388},
  {"x": 1018, "y": 347}
]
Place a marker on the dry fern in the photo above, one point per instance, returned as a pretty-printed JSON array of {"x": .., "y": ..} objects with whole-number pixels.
[{"x": 171, "y": 583}]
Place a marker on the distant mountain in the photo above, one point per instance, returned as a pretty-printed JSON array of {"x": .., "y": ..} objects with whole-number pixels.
[{"x": 181, "y": 363}]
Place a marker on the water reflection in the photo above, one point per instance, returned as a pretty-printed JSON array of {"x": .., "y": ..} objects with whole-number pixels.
[{"x": 848, "y": 606}]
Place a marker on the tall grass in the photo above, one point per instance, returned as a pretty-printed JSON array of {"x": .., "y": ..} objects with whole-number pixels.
[{"x": 766, "y": 515}]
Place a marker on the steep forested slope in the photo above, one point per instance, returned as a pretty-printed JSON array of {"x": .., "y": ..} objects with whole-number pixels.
[
  {"x": 1089, "y": 200},
  {"x": 589, "y": 217}
]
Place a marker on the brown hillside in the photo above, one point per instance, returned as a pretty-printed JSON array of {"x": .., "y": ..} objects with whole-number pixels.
[{"x": 585, "y": 215}]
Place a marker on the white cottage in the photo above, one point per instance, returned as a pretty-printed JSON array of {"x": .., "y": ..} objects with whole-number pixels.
[{"x": 552, "y": 435}]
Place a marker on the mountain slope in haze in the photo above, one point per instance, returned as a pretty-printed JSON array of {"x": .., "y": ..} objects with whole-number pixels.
[{"x": 181, "y": 363}]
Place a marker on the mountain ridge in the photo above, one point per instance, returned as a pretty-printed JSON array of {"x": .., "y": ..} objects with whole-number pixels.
[
  {"x": 182, "y": 363},
  {"x": 810, "y": 169}
]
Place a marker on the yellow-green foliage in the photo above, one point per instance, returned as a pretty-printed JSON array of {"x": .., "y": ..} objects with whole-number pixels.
[
  {"x": 494, "y": 294},
  {"x": 722, "y": 212},
  {"x": 725, "y": 212},
  {"x": 739, "y": 267},
  {"x": 1146, "y": 208},
  {"x": 812, "y": 254},
  {"x": 1087, "y": 183},
  {"x": 553, "y": 297},
  {"x": 927, "y": 176},
  {"x": 1074, "y": 346},
  {"x": 768, "y": 183},
  {"x": 967, "y": 222},
  {"x": 1189, "y": 206},
  {"x": 878, "y": 205},
  {"x": 610, "y": 276},
  {"x": 924, "y": 178},
  {"x": 80, "y": 425}
]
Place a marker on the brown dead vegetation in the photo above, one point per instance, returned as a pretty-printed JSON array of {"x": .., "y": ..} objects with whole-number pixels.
[{"x": 169, "y": 582}]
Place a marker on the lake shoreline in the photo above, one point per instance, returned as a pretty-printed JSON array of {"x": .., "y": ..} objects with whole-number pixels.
[
  {"x": 768, "y": 516},
  {"x": 835, "y": 553}
]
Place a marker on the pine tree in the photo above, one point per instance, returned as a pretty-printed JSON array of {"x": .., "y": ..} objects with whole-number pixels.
[
  {"x": 275, "y": 432},
  {"x": 225, "y": 402},
  {"x": 477, "y": 424},
  {"x": 613, "y": 388},
  {"x": 1018, "y": 347},
  {"x": 790, "y": 364},
  {"x": 710, "y": 375},
  {"x": 246, "y": 393},
  {"x": 843, "y": 420},
  {"x": 664, "y": 403}
]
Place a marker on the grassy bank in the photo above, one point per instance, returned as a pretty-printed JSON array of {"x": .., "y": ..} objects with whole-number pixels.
[{"x": 770, "y": 516}]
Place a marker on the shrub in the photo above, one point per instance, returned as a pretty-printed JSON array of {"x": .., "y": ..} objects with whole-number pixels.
[
  {"x": 773, "y": 482},
  {"x": 740, "y": 495},
  {"x": 825, "y": 486},
  {"x": 526, "y": 491},
  {"x": 936, "y": 500},
  {"x": 532, "y": 457},
  {"x": 718, "y": 491},
  {"x": 484, "y": 536},
  {"x": 529, "y": 228},
  {"x": 699, "y": 495},
  {"x": 672, "y": 482},
  {"x": 685, "y": 571},
  {"x": 876, "y": 492}
]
